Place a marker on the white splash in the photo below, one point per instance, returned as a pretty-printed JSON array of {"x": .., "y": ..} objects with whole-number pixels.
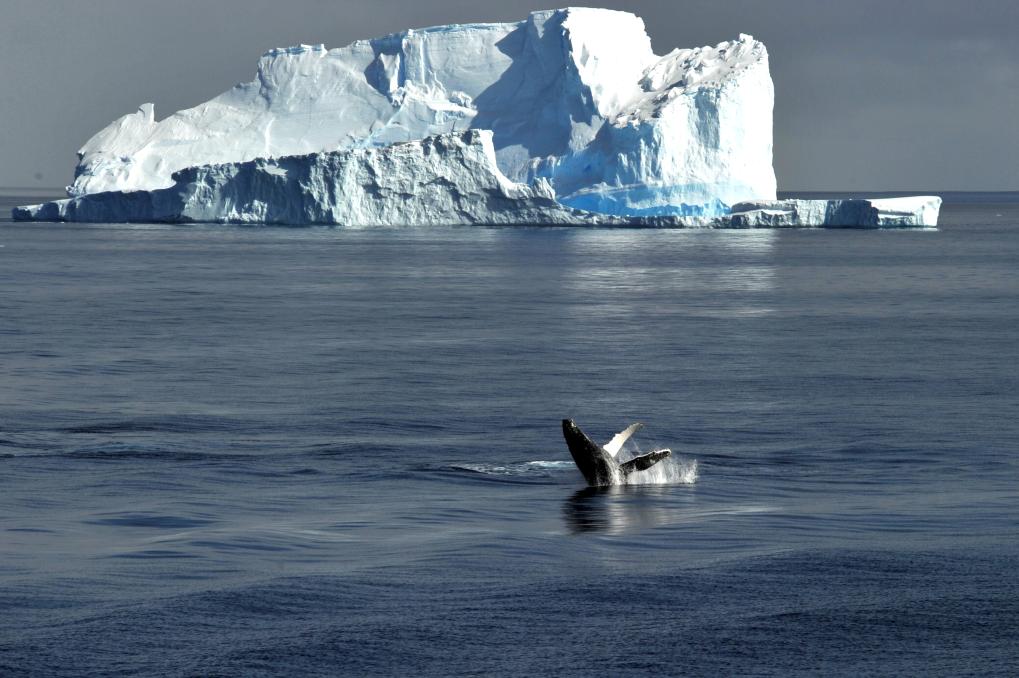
[
  {"x": 671, "y": 471},
  {"x": 528, "y": 468},
  {"x": 551, "y": 464}
]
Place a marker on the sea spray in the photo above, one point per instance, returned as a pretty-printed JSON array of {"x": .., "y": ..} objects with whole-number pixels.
[{"x": 671, "y": 471}]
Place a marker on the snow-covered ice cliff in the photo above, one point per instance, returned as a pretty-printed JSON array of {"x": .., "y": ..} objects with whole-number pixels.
[{"x": 572, "y": 119}]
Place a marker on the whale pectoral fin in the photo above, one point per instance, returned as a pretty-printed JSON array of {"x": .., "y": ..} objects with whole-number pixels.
[
  {"x": 644, "y": 462},
  {"x": 613, "y": 446}
]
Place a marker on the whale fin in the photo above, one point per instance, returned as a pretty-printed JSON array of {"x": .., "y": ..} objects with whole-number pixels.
[
  {"x": 613, "y": 446},
  {"x": 644, "y": 462}
]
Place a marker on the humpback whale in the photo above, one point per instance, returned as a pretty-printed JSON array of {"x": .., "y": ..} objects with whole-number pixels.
[{"x": 598, "y": 462}]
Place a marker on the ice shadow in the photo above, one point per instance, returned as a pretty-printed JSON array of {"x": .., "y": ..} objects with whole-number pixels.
[{"x": 531, "y": 105}]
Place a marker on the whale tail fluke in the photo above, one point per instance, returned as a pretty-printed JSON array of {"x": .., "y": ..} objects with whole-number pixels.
[
  {"x": 644, "y": 462},
  {"x": 613, "y": 446}
]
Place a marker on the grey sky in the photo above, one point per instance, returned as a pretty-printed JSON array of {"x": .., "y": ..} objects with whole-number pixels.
[{"x": 870, "y": 94}]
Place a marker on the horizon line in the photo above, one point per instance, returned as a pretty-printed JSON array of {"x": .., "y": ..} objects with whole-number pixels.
[{"x": 914, "y": 191}]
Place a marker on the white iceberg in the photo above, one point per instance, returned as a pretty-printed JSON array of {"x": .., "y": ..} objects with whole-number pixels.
[{"x": 572, "y": 119}]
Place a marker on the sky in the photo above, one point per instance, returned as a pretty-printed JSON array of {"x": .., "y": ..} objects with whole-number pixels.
[{"x": 870, "y": 94}]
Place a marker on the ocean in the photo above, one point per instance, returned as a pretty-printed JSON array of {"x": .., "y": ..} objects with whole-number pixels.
[{"x": 268, "y": 451}]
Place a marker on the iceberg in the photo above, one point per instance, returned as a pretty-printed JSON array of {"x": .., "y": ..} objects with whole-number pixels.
[{"x": 567, "y": 117}]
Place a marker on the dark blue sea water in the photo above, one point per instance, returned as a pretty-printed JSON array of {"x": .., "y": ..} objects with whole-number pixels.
[{"x": 255, "y": 451}]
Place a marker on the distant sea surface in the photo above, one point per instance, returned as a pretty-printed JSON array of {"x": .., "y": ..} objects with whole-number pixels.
[{"x": 254, "y": 451}]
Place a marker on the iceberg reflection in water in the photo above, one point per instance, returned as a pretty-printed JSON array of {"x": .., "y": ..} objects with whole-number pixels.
[{"x": 713, "y": 273}]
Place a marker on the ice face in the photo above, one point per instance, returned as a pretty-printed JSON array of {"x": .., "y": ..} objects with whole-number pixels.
[{"x": 575, "y": 97}]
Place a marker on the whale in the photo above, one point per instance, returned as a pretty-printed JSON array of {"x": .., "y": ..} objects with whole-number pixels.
[{"x": 598, "y": 463}]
